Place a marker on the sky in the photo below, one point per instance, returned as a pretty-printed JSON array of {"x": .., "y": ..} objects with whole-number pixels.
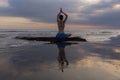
[{"x": 41, "y": 14}]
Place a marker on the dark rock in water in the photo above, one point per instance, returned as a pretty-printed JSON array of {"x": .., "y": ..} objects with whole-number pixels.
[{"x": 51, "y": 39}]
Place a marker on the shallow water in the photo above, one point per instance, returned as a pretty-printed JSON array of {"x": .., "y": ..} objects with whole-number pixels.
[
  {"x": 32, "y": 60},
  {"x": 75, "y": 62}
]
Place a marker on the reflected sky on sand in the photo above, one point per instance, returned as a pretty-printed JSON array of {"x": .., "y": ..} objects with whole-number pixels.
[{"x": 61, "y": 61}]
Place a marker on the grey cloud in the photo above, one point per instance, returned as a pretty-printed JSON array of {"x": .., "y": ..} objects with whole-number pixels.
[
  {"x": 37, "y": 10},
  {"x": 46, "y": 11},
  {"x": 109, "y": 18},
  {"x": 102, "y": 5}
]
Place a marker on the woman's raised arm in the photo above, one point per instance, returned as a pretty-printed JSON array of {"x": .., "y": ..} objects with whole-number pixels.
[
  {"x": 66, "y": 16},
  {"x": 59, "y": 14}
]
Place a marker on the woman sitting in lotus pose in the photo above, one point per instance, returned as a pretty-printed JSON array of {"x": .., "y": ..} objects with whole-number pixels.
[{"x": 61, "y": 24}]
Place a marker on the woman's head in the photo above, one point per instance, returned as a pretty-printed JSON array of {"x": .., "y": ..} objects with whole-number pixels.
[{"x": 61, "y": 17}]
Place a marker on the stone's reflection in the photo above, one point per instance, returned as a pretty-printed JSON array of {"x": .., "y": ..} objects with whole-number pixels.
[
  {"x": 63, "y": 62},
  {"x": 38, "y": 58}
]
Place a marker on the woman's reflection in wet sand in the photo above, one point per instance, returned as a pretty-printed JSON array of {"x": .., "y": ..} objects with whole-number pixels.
[{"x": 63, "y": 62}]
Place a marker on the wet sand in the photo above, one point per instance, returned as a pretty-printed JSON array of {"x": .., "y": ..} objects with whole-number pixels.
[{"x": 83, "y": 61}]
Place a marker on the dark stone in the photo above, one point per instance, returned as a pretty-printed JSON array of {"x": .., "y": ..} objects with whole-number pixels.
[{"x": 51, "y": 39}]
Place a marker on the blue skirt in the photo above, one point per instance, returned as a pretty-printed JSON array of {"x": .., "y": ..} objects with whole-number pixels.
[
  {"x": 61, "y": 35},
  {"x": 61, "y": 44}
]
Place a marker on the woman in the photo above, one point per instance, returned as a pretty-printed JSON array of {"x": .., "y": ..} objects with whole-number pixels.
[{"x": 61, "y": 24}]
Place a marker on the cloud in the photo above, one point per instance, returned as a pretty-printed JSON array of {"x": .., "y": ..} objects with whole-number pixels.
[
  {"x": 104, "y": 13},
  {"x": 110, "y": 19},
  {"x": 4, "y": 3},
  {"x": 38, "y": 10},
  {"x": 87, "y": 12},
  {"x": 117, "y": 6},
  {"x": 90, "y": 1}
]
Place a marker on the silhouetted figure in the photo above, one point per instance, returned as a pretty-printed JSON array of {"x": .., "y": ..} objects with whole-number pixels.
[
  {"x": 61, "y": 19},
  {"x": 63, "y": 63}
]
